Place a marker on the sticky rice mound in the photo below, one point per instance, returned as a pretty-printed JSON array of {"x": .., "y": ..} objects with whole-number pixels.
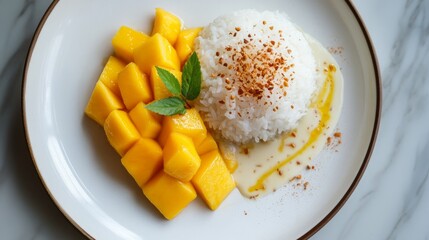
[{"x": 259, "y": 75}]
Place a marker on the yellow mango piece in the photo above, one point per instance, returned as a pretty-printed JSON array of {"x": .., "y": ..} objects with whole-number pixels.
[
  {"x": 166, "y": 24},
  {"x": 110, "y": 72},
  {"x": 208, "y": 145},
  {"x": 159, "y": 89},
  {"x": 228, "y": 158},
  {"x": 169, "y": 195},
  {"x": 190, "y": 124},
  {"x": 120, "y": 131},
  {"x": 101, "y": 103},
  {"x": 143, "y": 160},
  {"x": 181, "y": 159},
  {"x": 213, "y": 181},
  {"x": 185, "y": 43},
  {"x": 134, "y": 86},
  {"x": 126, "y": 40},
  {"x": 156, "y": 51},
  {"x": 145, "y": 121},
  {"x": 231, "y": 164}
]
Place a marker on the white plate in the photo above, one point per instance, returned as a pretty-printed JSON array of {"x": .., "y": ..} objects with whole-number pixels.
[{"x": 84, "y": 175}]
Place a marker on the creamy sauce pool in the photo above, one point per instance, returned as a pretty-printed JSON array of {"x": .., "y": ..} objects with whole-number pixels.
[{"x": 266, "y": 166}]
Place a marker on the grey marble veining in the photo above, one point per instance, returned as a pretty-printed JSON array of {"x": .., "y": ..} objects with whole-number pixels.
[{"x": 392, "y": 200}]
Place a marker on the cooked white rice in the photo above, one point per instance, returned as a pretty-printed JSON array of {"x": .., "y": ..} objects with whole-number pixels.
[{"x": 259, "y": 75}]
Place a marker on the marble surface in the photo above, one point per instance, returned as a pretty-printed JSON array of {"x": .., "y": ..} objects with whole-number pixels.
[{"x": 392, "y": 200}]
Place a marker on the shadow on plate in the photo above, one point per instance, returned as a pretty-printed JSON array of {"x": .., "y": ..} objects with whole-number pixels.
[{"x": 109, "y": 161}]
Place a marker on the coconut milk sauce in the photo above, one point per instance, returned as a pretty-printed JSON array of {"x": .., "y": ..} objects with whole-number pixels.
[{"x": 266, "y": 166}]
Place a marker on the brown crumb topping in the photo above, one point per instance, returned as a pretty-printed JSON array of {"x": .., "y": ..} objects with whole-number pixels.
[
  {"x": 306, "y": 185},
  {"x": 297, "y": 177},
  {"x": 256, "y": 67},
  {"x": 336, "y": 50},
  {"x": 335, "y": 140},
  {"x": 254, "y": 197},
  {"x": 309, "y": 167}
]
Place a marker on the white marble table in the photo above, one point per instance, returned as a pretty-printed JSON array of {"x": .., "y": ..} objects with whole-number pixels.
[{"x": 392, "y": 199}]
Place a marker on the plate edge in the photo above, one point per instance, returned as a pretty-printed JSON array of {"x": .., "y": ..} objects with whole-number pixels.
[
  {"x": 24, "y": 118},
  {"x": 309, "y": 233},
  {"x": 376, "y": 125}
]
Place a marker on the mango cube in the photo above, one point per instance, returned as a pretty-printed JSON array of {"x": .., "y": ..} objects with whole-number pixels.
[
  {"x": 181, "y": 159},
  {"x": 169, "y": 195},
  {"x": 145, "y": 121},
  {"x": 156, "y": 51},
  {"x": 208, "y": 145},
  {"x": 143, "y": 160},
  {"x": 190, "y": 124},
  {"x": 120, "y": 131},
  {"x": 159, "y": 89},
  {"x": 134, "y": 86},
  {"x": 231, "y": 164},
  {"x": 228, "y": 158},
  {"x": 110, "y": 72},
  {"x": 101, "y": 103},
  {"x": 185, "y": 43},
  {"x": 126, "y": 40},
  {"x": 213, "y": 181},
  {"x": 166, "y": 24}
]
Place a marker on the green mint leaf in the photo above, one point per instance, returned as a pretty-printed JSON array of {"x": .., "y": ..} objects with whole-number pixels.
[
  {"x": 168, "y": 106},
  {"x": 191, "y": 78},
  {"x": 169, "y": 80}
]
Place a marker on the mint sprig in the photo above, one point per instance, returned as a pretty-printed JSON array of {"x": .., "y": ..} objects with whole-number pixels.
[
  {"x": 191, "y": 78},
  {"x": 169, "y": 80},
  {"x": 191, "y": 87},
  {"x": 167, "y": 106}
]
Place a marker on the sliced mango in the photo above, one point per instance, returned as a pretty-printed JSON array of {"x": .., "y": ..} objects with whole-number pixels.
[
  {"x": 159, "y": 89},
  {"x": 110, "y": 72},
  {"x": 213, "y": 181},
  {"x": 143, "y": 160},
  {"x": 169, "y": 195},
  {"x": 181, "y": 159},
  {"x": 125, "y": 41},
  {"x": 156, "y": 51},
  {"x": 207, "y": 145},
  {"x": 231, "y": 164},
  {"x": 185, "y": 43},
  {"x": 190, "y": 124},
  {"x": 101, "y": 103},
  {"x": 134, "y": 86},
  {"x": 166, "y": 24},
  {"x": 145, "y": 121},
  {"x": 120, "y": 131},
  {"x": 228, "y": 158}
]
